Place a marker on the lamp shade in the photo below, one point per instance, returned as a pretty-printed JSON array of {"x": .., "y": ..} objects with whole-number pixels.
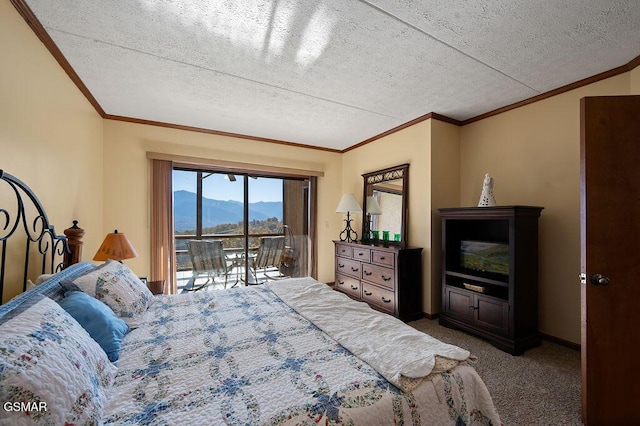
[
  {"x": 115, "y": 246},
  {"x": 373, "y": 208},
  {"x": 348, "y": 204}
]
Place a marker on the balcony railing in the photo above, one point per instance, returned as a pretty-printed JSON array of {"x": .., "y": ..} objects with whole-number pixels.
[
  {"x": 240, "y": 260},
  {"x": 233, "y": 243}
]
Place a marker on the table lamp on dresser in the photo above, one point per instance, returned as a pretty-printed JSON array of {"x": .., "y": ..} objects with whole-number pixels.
[{"x": 348, "y": 204}]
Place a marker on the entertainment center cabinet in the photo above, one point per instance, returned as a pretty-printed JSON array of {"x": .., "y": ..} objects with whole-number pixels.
[{"x": 490, "y": 274}]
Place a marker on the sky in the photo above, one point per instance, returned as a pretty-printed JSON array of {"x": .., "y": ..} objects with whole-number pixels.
[{"x": 218, "y": 187}]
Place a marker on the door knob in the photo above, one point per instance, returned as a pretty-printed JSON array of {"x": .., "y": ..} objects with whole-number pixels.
[{"x": 598, "y": 279}]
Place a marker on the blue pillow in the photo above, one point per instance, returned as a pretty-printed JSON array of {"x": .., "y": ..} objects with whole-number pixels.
[{"x": 99, "y": 321}]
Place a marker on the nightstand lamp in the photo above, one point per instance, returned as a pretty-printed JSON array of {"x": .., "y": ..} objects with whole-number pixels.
[
  {"x": 348, "y": 204},
  {"x": 115, "y": 246}
]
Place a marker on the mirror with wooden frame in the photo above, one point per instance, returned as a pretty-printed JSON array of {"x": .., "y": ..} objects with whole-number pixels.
[{"x": 385, "y": 206}]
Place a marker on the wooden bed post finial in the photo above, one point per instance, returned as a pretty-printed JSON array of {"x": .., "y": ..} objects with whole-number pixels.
[{"x": 74, "y": 238}]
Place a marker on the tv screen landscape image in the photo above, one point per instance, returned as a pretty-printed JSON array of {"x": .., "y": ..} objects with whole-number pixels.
[{"x": 485, "y": 256}]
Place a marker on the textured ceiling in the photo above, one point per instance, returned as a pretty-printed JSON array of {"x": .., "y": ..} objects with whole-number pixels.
[{"x": 331, "y": 73}]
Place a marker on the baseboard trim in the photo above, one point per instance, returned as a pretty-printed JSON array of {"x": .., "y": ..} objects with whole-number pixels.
[
  {"x": 561, "y": 342},
  {"x": 557, "y": 340}
]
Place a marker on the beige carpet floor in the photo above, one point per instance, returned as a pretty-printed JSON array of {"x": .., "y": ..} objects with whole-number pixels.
[{"x": 540, "y": 387}]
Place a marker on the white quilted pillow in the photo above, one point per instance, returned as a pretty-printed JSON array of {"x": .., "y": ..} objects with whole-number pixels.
[
  {"x": 118, "y": 287},
  {"x": 51, "y": 371}
]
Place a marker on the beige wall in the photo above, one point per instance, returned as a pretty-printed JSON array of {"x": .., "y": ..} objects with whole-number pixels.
[
  {"x": 432, "y": 149},
  {"x": 445, "y": 192},
  {"x": 96, "y": 171},
  {"x": 411, "y": 145},
  {"x": 126, "y": 190},
  {"x": 533, "y": 153},
  {"x": 50, "y": 135},
  {"x": 635, "y": 81}
]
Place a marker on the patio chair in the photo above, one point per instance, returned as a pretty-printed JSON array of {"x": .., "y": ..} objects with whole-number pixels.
[
  {"x": 288, "y": 259},
  {"x": 207, "y": 258},
  {"x": 268, "y": 257}
]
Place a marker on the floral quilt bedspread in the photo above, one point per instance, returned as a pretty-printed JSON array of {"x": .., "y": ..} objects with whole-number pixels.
[{"x": 243, "y": 356}]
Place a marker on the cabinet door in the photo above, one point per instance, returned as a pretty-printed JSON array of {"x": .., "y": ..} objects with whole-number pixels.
[
  {"x": 492, "y": 314},
  {"x": 458, "y": 303}
]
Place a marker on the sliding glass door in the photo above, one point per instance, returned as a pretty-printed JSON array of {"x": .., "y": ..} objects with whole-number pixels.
[{"x": 261, "y": 222}]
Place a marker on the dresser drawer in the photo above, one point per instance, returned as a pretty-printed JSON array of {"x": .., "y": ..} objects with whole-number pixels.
[
  {"x": 348, "y": 267},
  {"x": 378, "y": 275},
  {"x": 382, "y": 298},
  {"x": 344, "y": 250},
  {"x": 362, "y": 254},
  {"x": 348, "y": 285},
  {"x": 382, "y": 258}
]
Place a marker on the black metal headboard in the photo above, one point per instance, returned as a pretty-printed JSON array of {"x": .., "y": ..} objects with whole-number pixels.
[{"x": 53, "y": 248}]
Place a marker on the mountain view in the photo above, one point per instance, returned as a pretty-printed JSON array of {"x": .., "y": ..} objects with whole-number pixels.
[{"x": 216, "y": 212}]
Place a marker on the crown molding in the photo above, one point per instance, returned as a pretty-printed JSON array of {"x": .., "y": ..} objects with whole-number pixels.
[
  {"x": 214, "y": 132},
  {"x": 35, "y": 25},
  {"x": 629, "y": 66},
  {"x": 431, "y": 115},
  {"x": 566, "y": 88}
]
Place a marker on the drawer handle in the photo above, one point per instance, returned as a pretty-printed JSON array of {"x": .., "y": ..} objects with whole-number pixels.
[
  {"x": 360, "y": 254},
  {"x": 367, "y": 273},
  {"x": 473, "y": 307},
  {"x": 385, "y": 300},
  {"x": 340, "y": 282},
  {"x": 354, "y": 287},
  {"x": 367, "y": 293},
  {"x": 355, "y": 269},
  {"x": 340, "y": 265},
  {"x": 382, "y": 257},
  {"x": 385, "y": 278}
]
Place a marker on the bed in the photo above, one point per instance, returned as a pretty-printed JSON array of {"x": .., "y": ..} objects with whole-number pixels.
[{"x": 92, "y": 345}]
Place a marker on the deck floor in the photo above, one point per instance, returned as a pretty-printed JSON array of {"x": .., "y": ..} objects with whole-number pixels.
[{"x": 235, "y": 279}]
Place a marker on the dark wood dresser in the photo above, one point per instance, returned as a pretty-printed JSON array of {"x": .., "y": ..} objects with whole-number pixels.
[{"x": 388, "y": 278}]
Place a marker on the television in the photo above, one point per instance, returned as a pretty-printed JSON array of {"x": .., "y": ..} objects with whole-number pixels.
[{"x": 485, "y": 256}]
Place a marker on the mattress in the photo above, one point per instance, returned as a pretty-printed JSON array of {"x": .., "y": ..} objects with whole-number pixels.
[{"x": 244, "y": 356}]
